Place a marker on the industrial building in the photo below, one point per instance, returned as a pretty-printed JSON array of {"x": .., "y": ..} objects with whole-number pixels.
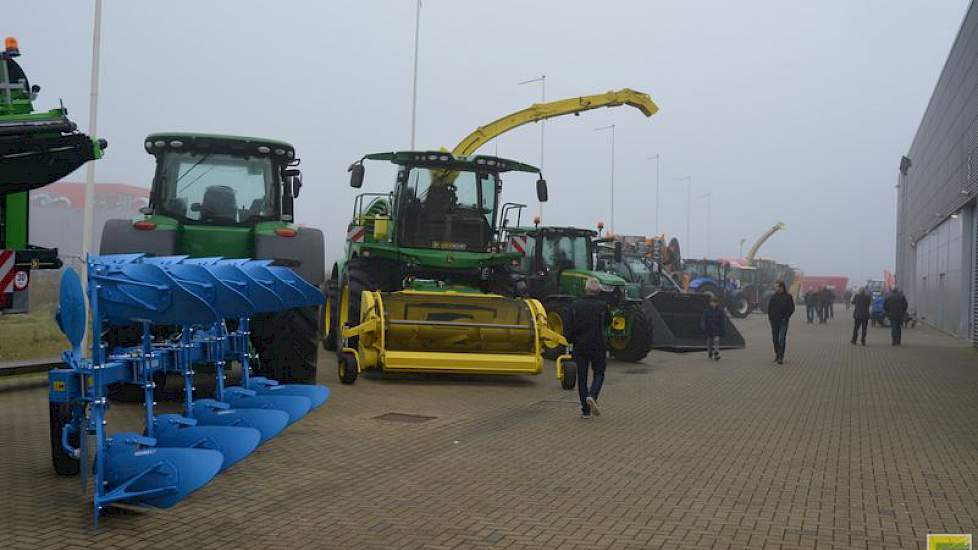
[{"x": 936, "y": 261}]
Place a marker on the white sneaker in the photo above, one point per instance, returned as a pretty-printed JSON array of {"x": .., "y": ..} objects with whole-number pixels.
[{"x": 593, "y": 405}]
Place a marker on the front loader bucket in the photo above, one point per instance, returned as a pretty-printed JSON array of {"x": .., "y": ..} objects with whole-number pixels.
[
  {"x": 451, "y": 332},
  {"x": 233, "y": 442},
  {"x": 676, "y": 325}
]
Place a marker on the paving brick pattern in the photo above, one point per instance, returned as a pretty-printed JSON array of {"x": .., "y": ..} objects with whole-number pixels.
[{"x": 842, "y": 447}]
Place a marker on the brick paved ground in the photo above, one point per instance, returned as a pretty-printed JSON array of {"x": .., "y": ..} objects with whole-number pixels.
[{"x": 842, "y": 447}]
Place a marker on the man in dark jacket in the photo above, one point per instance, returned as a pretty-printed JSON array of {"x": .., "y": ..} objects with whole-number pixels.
[
  {"x": 861, "y": 302},
  {"x": 830, "y": 303},
  {"x": 811, "y": 302},
  {"x": 779, "y": 310},
  {"x": 712, "y": 323},
  {"x": 823, "y": 306},
  {"x": 588, "y": 320},
  {"x": 895, "y": 307}
]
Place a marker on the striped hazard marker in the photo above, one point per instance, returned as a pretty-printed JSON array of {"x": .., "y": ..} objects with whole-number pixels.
[
  {"x": 518, "y": 243},
  {"x": 7, "y": 271}
]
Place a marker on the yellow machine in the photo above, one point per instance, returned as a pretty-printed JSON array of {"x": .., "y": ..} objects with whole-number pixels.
[{"x": 424, "y": 286}]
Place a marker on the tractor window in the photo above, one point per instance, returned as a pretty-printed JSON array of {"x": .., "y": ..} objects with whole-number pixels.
[
  {"x": 641, "y": 272},
  {"x": 447, "y": 209},
  {"x": 566, "y": 253},
  {"x": 216, "y": 188}
]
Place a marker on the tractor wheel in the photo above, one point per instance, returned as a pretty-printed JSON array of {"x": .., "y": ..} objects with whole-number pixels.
[
  {"x": 286, "y": 344},
  {"x": 361, "y": 275},
  {"x": 569, "y": 380},
  {"x": 708, "y": 289},
  {"x": 557, "y": 313},
  {"x": 330, "y": 315},
  {"x": 346, "y": 368},
  {"x": 64, "y": 464},
  {"x": 638, "y": 344},
  {"x": 739, "y": 306}
]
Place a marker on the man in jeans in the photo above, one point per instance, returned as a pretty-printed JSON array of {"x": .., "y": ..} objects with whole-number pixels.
[
  {"x": 861, "y": 302},
  {"x": 895, "y": 307},
  {"x": 779, "y": 310},
  {"x": 588, "y": 320}
]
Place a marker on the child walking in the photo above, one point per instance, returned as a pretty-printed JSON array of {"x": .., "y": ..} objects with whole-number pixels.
[{"x": 712, "y": 323}]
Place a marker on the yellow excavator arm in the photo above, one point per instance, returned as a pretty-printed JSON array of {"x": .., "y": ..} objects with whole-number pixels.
[
  {"x": 542, "y": 111},
  {"x": 757, "y": 246}
]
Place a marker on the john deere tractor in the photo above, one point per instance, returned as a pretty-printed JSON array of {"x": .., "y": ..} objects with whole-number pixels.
[
  {"x": 557, "y": 262},
  {"x": 424, "y": 286},
  {"x": 231, "y": 196},
  {"x": 36, "y": 149}
]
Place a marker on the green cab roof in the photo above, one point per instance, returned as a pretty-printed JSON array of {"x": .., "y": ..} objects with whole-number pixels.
[
  {"x": 448, "y": 160},
  {"x": 173, "y": 141}
]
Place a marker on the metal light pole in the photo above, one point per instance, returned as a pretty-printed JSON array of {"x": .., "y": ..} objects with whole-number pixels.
[
  {"x": 709, "y": 222},
  {"x": 543, "y": 99},
  {"x": 87, "y": 219},
  {"x": 414, "y": 92},
  {"x": 612, "y": 128},
  {"x": 658, "y": 160},
  {"x": 689, "y": 204}
]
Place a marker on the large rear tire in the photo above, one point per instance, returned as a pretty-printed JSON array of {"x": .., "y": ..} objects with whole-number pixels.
[
  {"x": 557, "y": 313},
  {"x": 287, "y": 344},
  {"x": 64, "y": 464},
  {"x": 330, "y": 315},
  {"x": 639, "y": 343},
  {"x": 739, "y": 306}
]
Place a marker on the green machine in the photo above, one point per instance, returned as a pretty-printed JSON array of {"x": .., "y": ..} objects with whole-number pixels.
[
  {"x": 231, "y": 196},
  {"x": 37, "y": 148},
  {"x": 557, "y": 262}
]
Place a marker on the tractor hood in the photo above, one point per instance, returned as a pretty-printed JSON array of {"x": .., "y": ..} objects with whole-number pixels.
[{"x": 572, "y": 281}]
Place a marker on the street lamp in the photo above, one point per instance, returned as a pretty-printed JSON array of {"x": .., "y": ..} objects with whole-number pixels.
[
  {"x": 414, "y": 91},
  {"x": 88, "y": 214},
  {"x": 612, "y": 128},
  {"x": 657, "y": 160},
  {"x": 689, "y": 204},
  {"x": 709, "y": 222},
  {"x": 543, "y": 99}
]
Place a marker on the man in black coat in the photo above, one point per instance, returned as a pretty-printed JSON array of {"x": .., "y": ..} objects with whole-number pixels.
[
  {"x": 861, "y": 303},
  {"x": 811, "y": 302},
  {"x": 895, "y": 307},
  {"x": 779, "y": 311},
  {"x": 586, "y": 331}
]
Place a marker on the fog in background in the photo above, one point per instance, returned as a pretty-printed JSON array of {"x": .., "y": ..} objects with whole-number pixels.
[{"x": 782, "y": 111}]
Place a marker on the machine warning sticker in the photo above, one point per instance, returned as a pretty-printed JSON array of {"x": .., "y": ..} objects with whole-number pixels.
[
  {"x": 58, "y": 385},
  {"x": 948, "y": 542}
]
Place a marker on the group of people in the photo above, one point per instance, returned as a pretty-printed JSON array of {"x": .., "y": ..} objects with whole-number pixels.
[
  {"x": 894, "y": 309},
  {"x": 820, "y": 304}
]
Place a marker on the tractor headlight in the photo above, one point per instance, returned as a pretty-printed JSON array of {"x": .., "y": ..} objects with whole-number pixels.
[
  {"x": 606, "y": 288},
  {"x": 618, "y": 323}
]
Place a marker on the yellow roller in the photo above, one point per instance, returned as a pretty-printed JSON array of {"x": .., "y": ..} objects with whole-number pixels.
[{"x": 451, "y": 332}]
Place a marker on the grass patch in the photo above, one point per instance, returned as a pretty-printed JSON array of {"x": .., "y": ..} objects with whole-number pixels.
[{"x": 32, "y": 335}]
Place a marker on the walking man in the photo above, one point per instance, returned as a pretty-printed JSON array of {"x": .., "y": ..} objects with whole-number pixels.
[
  {"x": 779, "y": 311},
  {"x": 811, "y": 302},
  {"x": 712, "y": 323},
  {"x": 860, "y": 302},
  {"x": 823, "y": 308},
  {"x": 586, "y": 332},
  {"x": 847, "y": 297},
  {"x": 830, "y": 302},
  {"x": 895, "y": 307}
]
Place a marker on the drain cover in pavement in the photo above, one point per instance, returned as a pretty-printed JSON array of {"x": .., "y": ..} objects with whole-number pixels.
[{"x": 407, "y": 418}]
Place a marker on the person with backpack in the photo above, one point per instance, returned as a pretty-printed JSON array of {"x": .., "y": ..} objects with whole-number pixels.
[
  {"x": 895, "y": 307},
  {"x": 860, "y": 314},
  {"x": 779, "y": 311},
  {"x": 712, "y": 323}
]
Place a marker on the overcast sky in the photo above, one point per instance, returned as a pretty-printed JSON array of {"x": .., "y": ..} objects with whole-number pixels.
[{"x": 792, "y": 111}]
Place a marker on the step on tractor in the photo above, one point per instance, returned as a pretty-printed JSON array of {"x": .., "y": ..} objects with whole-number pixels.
[
  {"x": 37, "y": 148},
  {"x": 674, "y": 315},
  {"x": 424, "y": 286},
  {"x": 557, "y": 263},
  {"x": 230, "y": 196}
]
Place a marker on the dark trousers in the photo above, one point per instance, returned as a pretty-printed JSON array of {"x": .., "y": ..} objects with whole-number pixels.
[
  {"x": 896, "y": 330},
  {"x": 859, "y": 325},
  {"x": 831, "y": 308},
  {"x": 810, "y": 313},
  {"x": 779, "y": 334},
  {"x": 593, "y": 359}
]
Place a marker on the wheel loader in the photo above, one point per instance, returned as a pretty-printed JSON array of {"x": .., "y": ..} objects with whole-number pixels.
[
  {"x": 36, "y": 149},
  {"x": 557, "y": 262},
  {"x": 231, "y": 196}
]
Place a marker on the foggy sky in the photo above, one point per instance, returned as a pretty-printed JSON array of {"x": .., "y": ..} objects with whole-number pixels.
[{"x": 782, "y": 110}]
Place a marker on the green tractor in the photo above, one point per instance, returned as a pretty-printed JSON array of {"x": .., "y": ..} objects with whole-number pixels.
[
  {"x": 36, "y": 149},
  {"x": 424, "y": 285},
  {"x": 231, "y": 196},
  {"x": 557, "y": 262}
]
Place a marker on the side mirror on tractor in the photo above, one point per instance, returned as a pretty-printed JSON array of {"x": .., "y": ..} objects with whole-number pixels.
[
  {"x": 542, "y": 190},
  {"x": 356, "y": 175},
  {"x": 295, "y": 177}
]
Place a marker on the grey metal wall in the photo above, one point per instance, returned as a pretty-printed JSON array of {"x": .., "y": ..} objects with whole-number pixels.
[{"x": 942, "y": 181}]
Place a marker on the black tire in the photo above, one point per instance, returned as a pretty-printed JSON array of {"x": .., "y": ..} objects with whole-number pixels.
[
  {"x": 739, "y": 306},
  {"x": 64, "y": 464},
  {"x": 557, "y": 312},
  {"x": 709, "y": 289},
  {"x": 362, "y": 274},
  {"x": 330, "y": 315},
  {"x": 287, "y": 344},
  {"x": 346, "y": 368},
  {"x": 569, "y": 379},
  {"x": 639, "y": 344}
]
